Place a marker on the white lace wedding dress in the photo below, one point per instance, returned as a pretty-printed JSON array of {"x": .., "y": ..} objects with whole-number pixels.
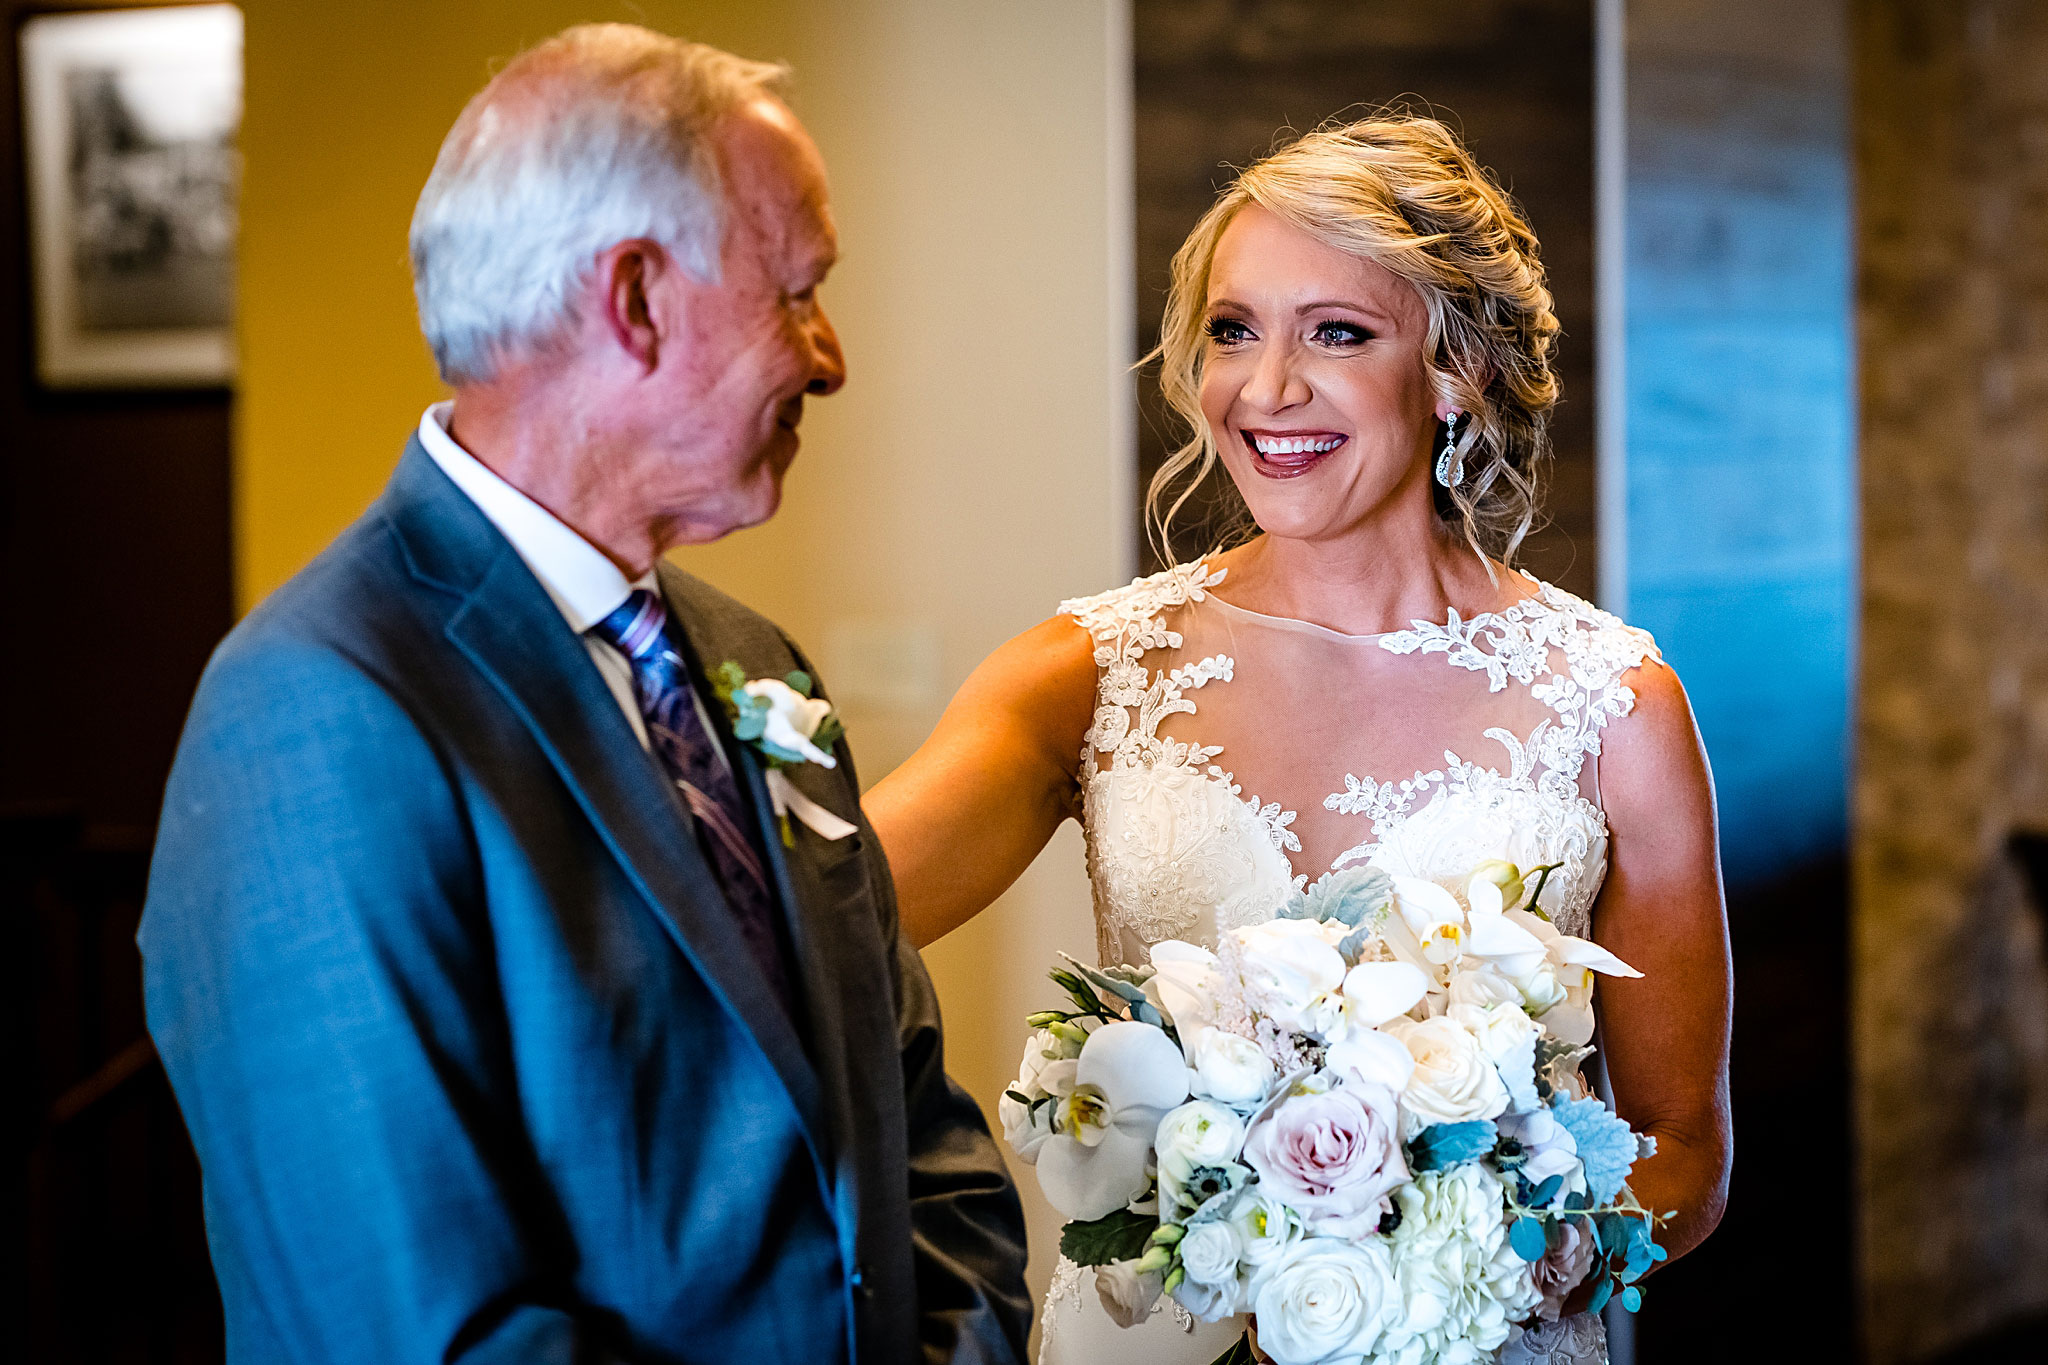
[{"x": 1233, "y": 754}]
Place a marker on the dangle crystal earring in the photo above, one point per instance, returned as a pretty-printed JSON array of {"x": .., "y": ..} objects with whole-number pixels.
[{"x": 1450, "y": 465}]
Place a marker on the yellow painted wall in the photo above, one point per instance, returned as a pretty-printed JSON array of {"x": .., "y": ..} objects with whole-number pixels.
[{"x": 974, "y": 471}]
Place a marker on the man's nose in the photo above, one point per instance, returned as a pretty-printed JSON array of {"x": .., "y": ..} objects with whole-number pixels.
[{"x": 828, "y": 362}]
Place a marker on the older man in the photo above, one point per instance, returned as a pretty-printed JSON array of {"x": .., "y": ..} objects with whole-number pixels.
[{"x": 519, "y": 1008}]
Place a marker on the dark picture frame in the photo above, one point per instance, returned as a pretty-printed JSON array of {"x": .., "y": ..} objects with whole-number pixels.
[{"x": 129, "y": 126}]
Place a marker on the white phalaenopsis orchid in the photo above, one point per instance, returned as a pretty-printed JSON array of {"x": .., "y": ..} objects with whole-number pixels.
[
  {"x": 1292, "y": 973},
  {"x": 792, "y": 718},
  {"x": 1570, "y": 963},
  {"x": 1126, "y": 1078}
]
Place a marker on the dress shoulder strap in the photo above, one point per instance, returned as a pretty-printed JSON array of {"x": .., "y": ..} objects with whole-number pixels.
[
  {"x": 1599, "y": 651},
  {"x": 1126, "y": 622}
]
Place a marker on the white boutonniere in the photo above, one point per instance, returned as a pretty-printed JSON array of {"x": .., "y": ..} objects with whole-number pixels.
[{"x": 789, "y": 727}]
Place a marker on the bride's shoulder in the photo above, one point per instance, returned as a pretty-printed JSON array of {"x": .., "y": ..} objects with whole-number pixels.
[{"x": 1135, "y": 610}]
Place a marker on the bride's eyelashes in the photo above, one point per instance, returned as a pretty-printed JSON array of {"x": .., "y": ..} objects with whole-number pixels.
[
  {"x": 1226, "y": 331},
  {"x": 1341, "y": 335},
  {"x": 1336, "y": 336}
]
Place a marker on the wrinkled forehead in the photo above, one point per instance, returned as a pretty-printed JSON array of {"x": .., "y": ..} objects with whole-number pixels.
[{"x": 775, "y": 184}]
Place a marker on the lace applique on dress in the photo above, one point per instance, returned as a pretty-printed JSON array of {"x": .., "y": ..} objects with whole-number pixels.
[
  {"x": 1571, "y": 656},
  {"x": 1167, "y": 798}
]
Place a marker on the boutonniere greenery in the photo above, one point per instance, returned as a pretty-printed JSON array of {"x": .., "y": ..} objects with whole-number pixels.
[{"x": 789, "y": 727}]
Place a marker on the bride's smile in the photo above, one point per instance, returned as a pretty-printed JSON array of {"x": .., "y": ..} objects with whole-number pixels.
[{"x": 1312, "y": 379}]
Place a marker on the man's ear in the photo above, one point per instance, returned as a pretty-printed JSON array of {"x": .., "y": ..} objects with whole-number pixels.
[{"x": 627, "y": 274}]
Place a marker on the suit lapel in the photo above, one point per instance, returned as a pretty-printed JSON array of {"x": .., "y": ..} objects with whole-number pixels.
[
  {"x": 510, "y": 630},
  {"x": 837, "y": 949}
]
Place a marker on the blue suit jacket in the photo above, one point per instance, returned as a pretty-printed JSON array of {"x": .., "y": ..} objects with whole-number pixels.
[{"x": 476, "y": 1065}]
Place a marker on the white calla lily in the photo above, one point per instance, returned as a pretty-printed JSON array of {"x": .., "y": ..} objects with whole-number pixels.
[
  {"x": 792, "y": 718},
  {"x": 1126, "y": 1079},
  {"x": 1184, "y": 985}
]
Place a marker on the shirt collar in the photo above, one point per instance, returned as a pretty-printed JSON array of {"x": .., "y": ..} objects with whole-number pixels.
[{"x": 585, "y": 586}]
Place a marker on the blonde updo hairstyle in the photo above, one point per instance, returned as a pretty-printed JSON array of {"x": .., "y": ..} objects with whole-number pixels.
[{"x": 1401, "y": 191}]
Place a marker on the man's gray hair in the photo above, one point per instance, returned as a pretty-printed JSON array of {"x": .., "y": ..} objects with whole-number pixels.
[{"x": 597, "y": 136}]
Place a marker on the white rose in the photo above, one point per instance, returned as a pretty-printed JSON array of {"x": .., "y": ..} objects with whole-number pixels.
[
  {"x": 1490, "y": 1009},
  {"x": 1209, "y": 1256},
  {"x": 1326, "y": 1300},
  {"x": 1025, "y": 1127},
  {"x": 1197, "y": 1136},
  {"x": 1229, "y": 1069},
  {"x": 1292, "y": 974},
  {"x": 1454, "y": 1080},
  {"x": 792, "y": 718},
  {"x": 1046, "y": 1069},
  {"x": 1128, "y": 1295}
]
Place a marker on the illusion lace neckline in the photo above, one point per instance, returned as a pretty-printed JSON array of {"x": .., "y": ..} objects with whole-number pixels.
[{"x": 1453, "y": 621}]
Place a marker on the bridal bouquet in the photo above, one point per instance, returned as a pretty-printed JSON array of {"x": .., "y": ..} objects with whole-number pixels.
[{"x": 1362, "y": 1121}]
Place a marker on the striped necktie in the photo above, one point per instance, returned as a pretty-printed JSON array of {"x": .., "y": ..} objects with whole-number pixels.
[{"x": 675, "y": 731}]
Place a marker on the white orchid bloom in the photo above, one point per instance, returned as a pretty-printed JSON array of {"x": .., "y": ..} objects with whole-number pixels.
[
  {"x": 1292, "y": 973},
  {"x": 1127, "y": 1077},
  {"x": 1572, "y": 961},
  {"x": 1370, "y": 1057},
  {"x": 792, "y": 718},
  {"x": 1375, "y": 992},
  {"x": 1433, "y": 916}
]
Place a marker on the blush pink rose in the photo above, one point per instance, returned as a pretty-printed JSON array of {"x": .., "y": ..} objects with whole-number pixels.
[
  {"x": 1332, "y": 1156},
  {"x": 1562, "y": 1267}
]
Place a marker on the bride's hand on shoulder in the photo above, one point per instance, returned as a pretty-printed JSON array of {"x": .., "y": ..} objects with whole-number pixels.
[
  {"x": 1665, "y": 1034},
  {"x": 966, "y": 814}
]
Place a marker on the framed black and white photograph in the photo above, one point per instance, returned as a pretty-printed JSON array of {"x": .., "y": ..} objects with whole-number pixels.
[{"x": 130, "y": 120}]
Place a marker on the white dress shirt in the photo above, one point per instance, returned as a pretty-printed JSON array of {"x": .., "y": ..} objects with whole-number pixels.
[{"x": 585, "y": 586}]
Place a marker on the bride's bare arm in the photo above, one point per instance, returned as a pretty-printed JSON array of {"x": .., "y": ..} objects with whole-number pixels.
[
  {"x": 1661, "y": 911},
  {"x": 964, "y": 817}
]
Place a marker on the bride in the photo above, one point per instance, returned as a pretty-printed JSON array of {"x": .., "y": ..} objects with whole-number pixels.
[{"x": 1359, "y": 333}]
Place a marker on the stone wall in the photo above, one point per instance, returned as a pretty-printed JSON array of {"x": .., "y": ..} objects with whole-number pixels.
[{"x": 1951, "y": 1010}]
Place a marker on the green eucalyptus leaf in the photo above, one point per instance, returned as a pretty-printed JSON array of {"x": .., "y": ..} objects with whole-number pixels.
[
  {"x": 1601, "y": 1293},
  {"x": 1632, "y": 1298},
  {"x": 1525, "y": 1235}
]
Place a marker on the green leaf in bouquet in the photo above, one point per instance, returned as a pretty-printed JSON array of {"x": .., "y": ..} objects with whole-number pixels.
[
  {"x": 1240, "y": 1353},
  {"x": 1443, "y": 1145},
  {"x": 1601, "y": 1293},
  {"x": 1354, "y": 895},
  {"x": 1632, "y": 1298},
  {"x": 1119, "y": 1236},
  {"x": 1084, "y": 996},
  {"x": 1353, "y": 944},
  {"x": 1547, "y": 1191},
  {"x": 1014, "y": 1095},
  {"x": 1107, "y": 984},
  {"x": 1525, "y": 1235}
]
